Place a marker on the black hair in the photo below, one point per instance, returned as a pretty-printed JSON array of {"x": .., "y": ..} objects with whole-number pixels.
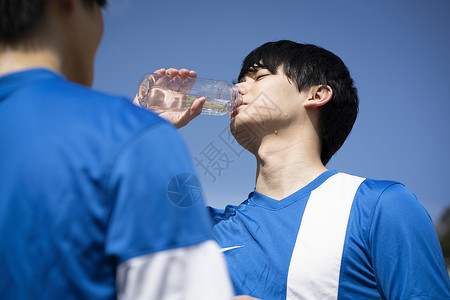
[
  {"x": 309, "y": 65},
  {"x": 17, "y": 17}
]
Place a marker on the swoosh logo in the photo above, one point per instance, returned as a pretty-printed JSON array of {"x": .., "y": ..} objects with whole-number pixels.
[{"x": 230, "y": 248}]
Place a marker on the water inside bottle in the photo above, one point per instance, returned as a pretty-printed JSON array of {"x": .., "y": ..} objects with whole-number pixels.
[
  {"x": 161, "y": 99},
  {"x": 211, "y": 106}
]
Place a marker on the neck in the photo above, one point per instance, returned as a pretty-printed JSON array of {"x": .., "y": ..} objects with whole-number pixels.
[
  {"x": 21, "y": 59},
  {"x": 285, "y": 164}
]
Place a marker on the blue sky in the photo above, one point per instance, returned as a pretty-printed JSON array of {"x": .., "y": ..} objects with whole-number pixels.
[{"x": 397, "y": 53}]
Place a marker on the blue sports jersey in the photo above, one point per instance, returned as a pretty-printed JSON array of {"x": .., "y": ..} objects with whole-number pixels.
[
  {"x": 339, "y": 237},
  {"x": 87, "y": 181}
]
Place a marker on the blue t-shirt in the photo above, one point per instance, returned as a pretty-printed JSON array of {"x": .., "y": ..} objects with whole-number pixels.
[
  {"x": 87, "y": 181},
  {"x": 339, "y": 237}
]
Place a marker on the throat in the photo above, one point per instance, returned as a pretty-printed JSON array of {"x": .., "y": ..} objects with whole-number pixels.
[{"x": 282, "y": 173}]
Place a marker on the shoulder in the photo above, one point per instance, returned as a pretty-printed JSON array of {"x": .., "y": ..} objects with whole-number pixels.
[
  {"x": 218, "y": 215},
  {"x": 398, "y": 207},
  {"x": 381, "y": 205},
  {"x": 116, "y": 133},
  {"x": 389, "y": 196},
  {"x": 402, "y": 242},
  {"x": 114, "y": 117},
  {"x": 389, "y": 208},
  {"x": 62, "y": 98},
  {"x": 229, "y": 212}
]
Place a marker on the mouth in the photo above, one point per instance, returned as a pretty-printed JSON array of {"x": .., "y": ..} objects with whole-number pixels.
[
  {"x": 237, "y": 108},
  {"x": 240, "y": 104}
]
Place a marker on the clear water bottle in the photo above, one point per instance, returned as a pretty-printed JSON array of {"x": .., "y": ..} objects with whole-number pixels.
[{"x": 162, "y": 93}]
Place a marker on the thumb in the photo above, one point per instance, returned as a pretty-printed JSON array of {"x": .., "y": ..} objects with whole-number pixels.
[{"x": 191, "y": 113}]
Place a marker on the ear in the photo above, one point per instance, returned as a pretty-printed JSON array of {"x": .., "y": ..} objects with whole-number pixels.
[{"x": 318, "y": 96}]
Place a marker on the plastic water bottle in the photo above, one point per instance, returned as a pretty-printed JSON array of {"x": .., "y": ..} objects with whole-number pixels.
[{"x": 162, "y": 93}]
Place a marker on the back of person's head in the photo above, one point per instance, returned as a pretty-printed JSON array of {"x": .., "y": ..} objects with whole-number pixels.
[
  {"x": 309, "y": 65},
  {"x": 19, "y": 17}
]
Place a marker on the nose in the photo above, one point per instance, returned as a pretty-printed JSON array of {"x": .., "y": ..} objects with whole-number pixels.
[{"x": 242, "y": 88}]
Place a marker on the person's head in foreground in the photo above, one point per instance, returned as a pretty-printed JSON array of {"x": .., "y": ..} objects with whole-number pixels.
[
  {"x": 295, "y": 92},
  {"x": 66, "y": 33},
  {"x": 74, "y": 220}
]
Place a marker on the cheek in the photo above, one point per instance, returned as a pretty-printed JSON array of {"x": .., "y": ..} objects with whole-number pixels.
[
  {"x": 96, "y": 26},
  {"x": 102, "y": 23}
]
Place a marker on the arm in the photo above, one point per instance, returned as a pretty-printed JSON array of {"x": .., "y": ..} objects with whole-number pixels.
[
  {"x": 180, "y": 119},
  {"x": 406, "y": 255}
]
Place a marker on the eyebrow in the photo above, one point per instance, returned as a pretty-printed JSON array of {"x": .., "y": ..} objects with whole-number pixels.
[
  {"x": 246, "y": 75},
  {"x": 256, "y": 67},
  {"x": 252, "y": 70}
]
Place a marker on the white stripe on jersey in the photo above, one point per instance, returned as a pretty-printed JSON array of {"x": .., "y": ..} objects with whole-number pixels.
[
  {"x": 316, "y": 259},
  {"x": 195, "y": 272}
]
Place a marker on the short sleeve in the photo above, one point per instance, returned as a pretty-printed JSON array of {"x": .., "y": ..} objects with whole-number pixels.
[
  {"x": 157, "y": 197},
  {"x": 406, "y": 255}
]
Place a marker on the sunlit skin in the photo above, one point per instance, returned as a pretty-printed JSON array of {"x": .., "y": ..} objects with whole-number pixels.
[
  {"x": 286, "y": 144},
  {"x": 183, "y": 118},
  {"x": 287, "y": 148}
]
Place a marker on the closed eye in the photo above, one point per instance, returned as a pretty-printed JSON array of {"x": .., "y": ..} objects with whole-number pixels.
[{"x": 259, "y": 77}]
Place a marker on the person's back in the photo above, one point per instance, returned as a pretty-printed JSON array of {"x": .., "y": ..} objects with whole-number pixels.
[
  {"x": 98, "y": 198},
  {"x": 62, "y": 153}
]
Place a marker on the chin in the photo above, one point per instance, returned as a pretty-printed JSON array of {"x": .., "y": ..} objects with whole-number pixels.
[{"x": 246, "y": 134}]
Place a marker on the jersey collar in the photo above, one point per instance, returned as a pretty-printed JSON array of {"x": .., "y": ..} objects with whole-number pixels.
[{"x": 259, "y": 199}]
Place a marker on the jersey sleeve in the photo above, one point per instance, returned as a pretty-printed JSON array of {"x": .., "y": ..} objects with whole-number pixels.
[
  {"x": 405, "y": 251},
  {"x": 158, "y": 200},
  {"x": 191, "y": 273}
]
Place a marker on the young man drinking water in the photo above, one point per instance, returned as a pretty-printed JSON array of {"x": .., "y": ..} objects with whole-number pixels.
[{"x": 307, "y": 232}]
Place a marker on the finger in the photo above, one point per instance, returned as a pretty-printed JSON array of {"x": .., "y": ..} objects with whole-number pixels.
[
  {"x": 187, "y": 85},
  {"x": 175, "y": 81},
  {"x": 188, "y": 82},
  {"x": 192, "y": 74},
  {"x": 184, "y": 73},
  {"x": 197, "y": 106},
  {"x": 191, "y": 113},
  {"x": 159, "y": 78},
  {"x": 173, "y": 72}
]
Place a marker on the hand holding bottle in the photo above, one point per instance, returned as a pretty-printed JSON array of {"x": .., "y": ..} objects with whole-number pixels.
[
  {"x": 172, "y": 92},
  {"x": 173, "y": 79}
]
